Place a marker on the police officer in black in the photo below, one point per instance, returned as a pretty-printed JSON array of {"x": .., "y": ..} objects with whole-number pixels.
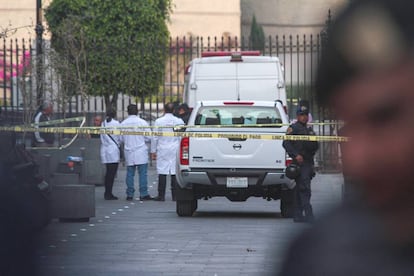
[{"x": 302, "y": 153}]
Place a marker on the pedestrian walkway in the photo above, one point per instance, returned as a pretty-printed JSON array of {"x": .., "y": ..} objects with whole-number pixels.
[{"x": 148, "y": 238}]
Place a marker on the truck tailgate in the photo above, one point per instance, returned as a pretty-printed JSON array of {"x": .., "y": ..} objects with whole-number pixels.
[{"x": 236, "y": 153}]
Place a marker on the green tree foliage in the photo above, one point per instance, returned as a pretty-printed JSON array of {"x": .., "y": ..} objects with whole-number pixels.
[
  {"x": 124, "y": 42},
  {"x": 257, "y": 36}
]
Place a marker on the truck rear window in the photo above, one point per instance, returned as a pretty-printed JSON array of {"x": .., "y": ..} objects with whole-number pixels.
[{"x": 249, "y": 116}]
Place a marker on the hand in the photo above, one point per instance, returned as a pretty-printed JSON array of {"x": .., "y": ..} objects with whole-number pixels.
[
  {"x": 299, "y": 159},
  {"x": 153, "y": 156}
]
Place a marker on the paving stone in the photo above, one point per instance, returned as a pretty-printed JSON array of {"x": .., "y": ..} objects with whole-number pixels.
[{"x": 148, "y": 238}]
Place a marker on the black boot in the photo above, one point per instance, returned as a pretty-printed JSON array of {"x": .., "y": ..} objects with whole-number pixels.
[
  {"x": 111, "y": 169},
  {"x": 162, "y": 183},
  {"x": 108, "y": 192},
  {"x": 110, "y": 197}
]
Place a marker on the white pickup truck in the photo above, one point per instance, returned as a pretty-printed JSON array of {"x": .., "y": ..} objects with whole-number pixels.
[{"x": 233, "y": 167}]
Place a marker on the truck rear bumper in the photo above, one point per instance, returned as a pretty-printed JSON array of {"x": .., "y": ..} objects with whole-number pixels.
[{"x": 219, "y": 177}]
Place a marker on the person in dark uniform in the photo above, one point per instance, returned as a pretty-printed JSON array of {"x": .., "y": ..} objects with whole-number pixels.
[
  {"x": 302, "y": 153},
  {"x": 43, "y": 139}
]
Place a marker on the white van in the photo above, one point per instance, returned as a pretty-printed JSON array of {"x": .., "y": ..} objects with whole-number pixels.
[{"x": 237, "y": 76}]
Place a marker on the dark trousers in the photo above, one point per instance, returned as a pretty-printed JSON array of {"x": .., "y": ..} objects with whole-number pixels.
[
  {"x": 110, "y": 173},
  {"x": 303, "y": 190},
  {"x": 162, "y": 184}
]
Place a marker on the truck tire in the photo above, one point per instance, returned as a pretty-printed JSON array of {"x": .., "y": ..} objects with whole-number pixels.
[
  {"x": 184, "y": 194},
  {"x": 186, "y": 208},
  {"x": 287, "y": 204}
]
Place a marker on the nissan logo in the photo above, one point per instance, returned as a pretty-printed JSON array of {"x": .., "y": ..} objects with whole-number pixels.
[{"x": 237, "y": 147}]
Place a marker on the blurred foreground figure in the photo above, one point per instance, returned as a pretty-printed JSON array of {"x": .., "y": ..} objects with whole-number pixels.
[
  {"x": 24, "y": 207},
  {"x": 366, "y": 76}
]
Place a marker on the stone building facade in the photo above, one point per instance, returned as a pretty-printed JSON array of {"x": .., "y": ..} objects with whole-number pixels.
[
  {"x": 204, "y": 18},
  {"x": 287, "y": 17},
  {"x": 18, "y": 18}
]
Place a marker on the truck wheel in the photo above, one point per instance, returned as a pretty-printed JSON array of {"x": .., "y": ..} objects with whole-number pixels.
[
  {"x": 287, "y": 204},
  {"x": 186, "y": 208}
]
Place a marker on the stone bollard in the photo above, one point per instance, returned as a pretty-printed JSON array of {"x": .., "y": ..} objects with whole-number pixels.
[
  {"x": 59, "y": 178},
  {"x": 73, "y": 202}
]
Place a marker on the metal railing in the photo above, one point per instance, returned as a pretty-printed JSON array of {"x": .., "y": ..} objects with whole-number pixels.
[{"x": 299, "y": 56}]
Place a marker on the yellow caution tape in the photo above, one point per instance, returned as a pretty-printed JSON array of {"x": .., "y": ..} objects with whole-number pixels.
[
  {"x": 252, "y": 125},
  {"x": 23, "y": 128},
  {"x": 195, "y": 134},
  {"x": 337, "y": 124},
  {"x": 59, "y": 121}
]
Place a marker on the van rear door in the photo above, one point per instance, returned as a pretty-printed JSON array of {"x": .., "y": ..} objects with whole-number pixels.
[
  {"x": 214, "y": 80},
  {"x": 259, "y": 81}
]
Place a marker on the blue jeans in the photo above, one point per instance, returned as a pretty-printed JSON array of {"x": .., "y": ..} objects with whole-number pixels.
[{"x": 143, "y": 180}]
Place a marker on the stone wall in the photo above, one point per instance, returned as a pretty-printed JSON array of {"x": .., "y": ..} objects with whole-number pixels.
[{"x": 287, "y": 17}]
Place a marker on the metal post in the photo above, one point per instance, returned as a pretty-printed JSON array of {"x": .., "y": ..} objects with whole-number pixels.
[
  {"x": 325, "y": 32},
  {"x": 329, "y": 151},
  {"x": 39, "y": 58}
]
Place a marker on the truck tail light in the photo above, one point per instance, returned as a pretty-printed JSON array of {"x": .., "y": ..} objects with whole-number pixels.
[
  {"x": 229, "y": 53},
  {"x": 288, "y": 160},
  {"x": 238, "y": 103},
  {"x": 185, "y": 151}
]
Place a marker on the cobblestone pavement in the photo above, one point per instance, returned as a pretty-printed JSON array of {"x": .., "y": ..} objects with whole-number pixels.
[{"x": 148, "y": 238}]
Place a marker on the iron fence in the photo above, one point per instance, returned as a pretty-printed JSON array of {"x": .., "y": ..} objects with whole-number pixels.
[{"x": 19, "y": 80}]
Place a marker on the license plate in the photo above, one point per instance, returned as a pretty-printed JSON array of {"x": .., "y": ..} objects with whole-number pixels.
[{"x": 237, "y": 182}]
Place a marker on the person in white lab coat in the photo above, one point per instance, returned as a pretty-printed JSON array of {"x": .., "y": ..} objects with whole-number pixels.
[
  {"x": 136, "y": 154},
  {"x": 110, "y": 147},
  {"x": 164, "y": 150}
]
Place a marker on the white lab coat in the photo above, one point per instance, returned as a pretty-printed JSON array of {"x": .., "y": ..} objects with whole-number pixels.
[
  {"x": 135, "y": 149},
  {"x": 109, "y": 150},
  {"x": 166, "y": 147}
]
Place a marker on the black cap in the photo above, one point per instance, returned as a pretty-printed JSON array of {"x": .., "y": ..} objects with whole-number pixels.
[{"x": 302, "y": 110}]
